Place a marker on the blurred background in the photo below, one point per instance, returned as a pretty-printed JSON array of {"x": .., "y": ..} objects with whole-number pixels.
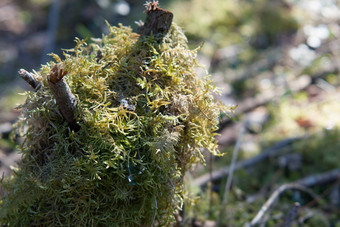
[{"x": 277, "y": 60}]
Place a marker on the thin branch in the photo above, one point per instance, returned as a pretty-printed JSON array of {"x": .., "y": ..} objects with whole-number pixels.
[
  {"x": 30, "y": 79},
  {"x": 232, "y": 165},
  {"x": 274, "y": 197},
  {"x": 301, "y": 185},
  {"x": 158, "y": 21},
  {"x": 210, "y": 185},
  {"x": 223, "y": 172},
  {"x": 265, "y": 219},
  {"x": 231, "y": 171},
  {"x": 63, "y": 95},
  {"x": 321, "y": 178}
]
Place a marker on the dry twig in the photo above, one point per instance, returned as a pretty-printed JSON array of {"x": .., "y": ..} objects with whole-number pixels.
[
  {"x": 63, "y": 95},
  {"x": 301, "y": 185},
  {"x": 30, "y": 79},
  {"x": 232, "y": 166},
  {"x": 231, "y": 171},
  {"x": 220, "y": 173},
  {"x": 321, "y": 178},
  {"x": 274, "y": 197}
]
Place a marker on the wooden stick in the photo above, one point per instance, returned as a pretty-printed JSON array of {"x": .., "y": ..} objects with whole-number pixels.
[
  {"x": 321, "y": 178},
  {"x": 62, "y": 94},
  {"x": 274, "y": 197},
  {"x": 301, "y": 185},
  {"x": 232, "y": 165},
  {"x": 158, "y": 21},
  {"x": 220, "y": 173},
  {"x": 231, "y": 171},
  {"x": 30, "y": 79}
]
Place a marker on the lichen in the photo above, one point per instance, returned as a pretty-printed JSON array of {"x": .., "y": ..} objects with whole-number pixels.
[{"x": 144, "y": 117}]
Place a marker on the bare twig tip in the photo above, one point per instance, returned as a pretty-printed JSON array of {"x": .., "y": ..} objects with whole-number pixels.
[{"x": 30, "y": 79}]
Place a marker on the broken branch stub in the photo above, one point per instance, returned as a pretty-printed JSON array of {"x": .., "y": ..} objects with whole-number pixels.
[
  {"x": 30, "y": 79},
  {"x": 158, "y": 21},
  {"x": 62, "y": 93}
]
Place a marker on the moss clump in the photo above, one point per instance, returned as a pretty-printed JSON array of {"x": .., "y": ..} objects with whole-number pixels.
[{"x": 144, "y": 116}]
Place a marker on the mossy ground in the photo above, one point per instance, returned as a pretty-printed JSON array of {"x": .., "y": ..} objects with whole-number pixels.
[{"x": 316, "y": 152}]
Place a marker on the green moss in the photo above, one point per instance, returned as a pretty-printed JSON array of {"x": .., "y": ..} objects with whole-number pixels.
[{"x": 144, "y": 117}]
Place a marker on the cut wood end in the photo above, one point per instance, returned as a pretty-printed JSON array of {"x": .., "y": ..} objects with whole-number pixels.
[
  {"x": 158, "y": 20},
  {"x": 56, "y": 74}
]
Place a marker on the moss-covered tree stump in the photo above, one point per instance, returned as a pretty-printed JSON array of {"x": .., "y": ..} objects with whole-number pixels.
[{"x": 141, "y": 118}]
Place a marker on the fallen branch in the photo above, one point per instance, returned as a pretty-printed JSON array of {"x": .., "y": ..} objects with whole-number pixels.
[
  {"x": 274, "y": 197},
  {"x": 321, "y": 178},
  {"x": 232, "y": 165},
  {"x": 302, "y": 185},
  {"x": 30, "y": 79},
  {"x": 63, "y": 95},
  {"x": 231, "y": 171},
  {"x": 220, "y": 173}
]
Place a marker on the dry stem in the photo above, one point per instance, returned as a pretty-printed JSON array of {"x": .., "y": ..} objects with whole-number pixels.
[
  {"x": 220, "y": 173},
  {"x": 274, "y": 197},
  {"x": 301, "y": 185},
  {"x": 63, "y": 95},
  {"x": 30, "y": 79}
]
